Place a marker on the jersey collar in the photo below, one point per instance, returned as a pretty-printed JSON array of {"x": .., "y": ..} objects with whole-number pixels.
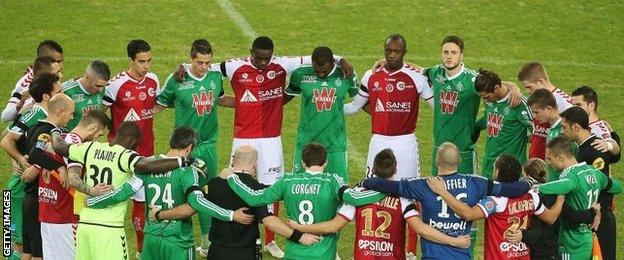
[
  {"x": 42, "y": 109},
  {"x": 188, "y": 72},
  {"x": 557, "y": 122},
  {"x": 391, "y": 73},
  {"x": 82, "y": 87},
  {"x": 589, "y": 137},
  {"x": 313, "y": 173},
  {"x": 505, "y": 98},
  {"x": 456, "y": 75}
]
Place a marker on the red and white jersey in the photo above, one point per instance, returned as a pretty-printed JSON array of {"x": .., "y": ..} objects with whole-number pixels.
[
  {"x": 600, "y": 129},
  {"x": 133, "y": 100},
  {"x": 22, "y": 85},
  {"x": 394, "y": 98},
  {"x": 380, "y": 227},
  {"x": 506, "y": 215},
  {"x": 56, "y": 204},
  {"x": 259, "y": 94},
  {"x": 540, "y": 130}
]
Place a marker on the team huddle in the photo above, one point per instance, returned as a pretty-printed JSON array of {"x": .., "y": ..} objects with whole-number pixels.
[{"x": 69, "y": 191}]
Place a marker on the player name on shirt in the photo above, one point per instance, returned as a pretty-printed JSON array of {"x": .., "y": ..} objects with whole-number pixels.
[
  {"x": 104, "y": 155},
  {"x": 305, "y": 189}
]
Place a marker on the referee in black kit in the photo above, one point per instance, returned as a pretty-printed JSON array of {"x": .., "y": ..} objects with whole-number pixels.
[
  {"x": 575, "y": 122},
  {"x": 230, "y": 240}
]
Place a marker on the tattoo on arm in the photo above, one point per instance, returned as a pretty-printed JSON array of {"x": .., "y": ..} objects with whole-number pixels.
[{"x": 76, "y": 182}]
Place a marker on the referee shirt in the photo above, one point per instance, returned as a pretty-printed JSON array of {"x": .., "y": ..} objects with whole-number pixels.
[
  {"x": 601, "y": 161},
  {"x": 232, "y": 234}
]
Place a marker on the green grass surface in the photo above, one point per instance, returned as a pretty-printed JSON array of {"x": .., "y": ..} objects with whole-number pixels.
[{"x": 579, "y": 42}]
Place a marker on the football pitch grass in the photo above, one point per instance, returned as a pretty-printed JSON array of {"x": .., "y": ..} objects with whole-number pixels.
[{"x": 579, "y": 42}]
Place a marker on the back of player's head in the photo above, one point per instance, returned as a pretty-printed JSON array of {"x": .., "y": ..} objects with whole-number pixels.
[
  {"x": 454, "y": 39},
  {"x": 576, "y": 115},
  {"x": 244, "y": 156},
  {"x": 384, "y": 165},
  {"x": 448, "y": 156},
  {"x": 486, "y": 81},
  {"x": 589, "y": 95},
  {"x": 137, "y": 46},
  {"x": 322, "y": 55},
  {"x": 396, "y": 37},
  {"x": 201, "y": 46},
  {"x": 509, "y": 168},
  {"x": 532, "y": 71},
  {"x": 47, "y": 47},
  {"x": 262, "y": 43},
  {"x": 130, "y": 131},
  {"x": 99, "y": 70},
  {"x": 313, "y": 154},
  {"x": 58, "y": 102},
  {"x": 536, "y": 168},
  {"x": 182, "y": 137},
  {"x": 42, "y": 63},
  {"x": 542, "y": 98},
  {"x": 42, "y": 84},
  {"x": 560, "y": 145},
  {"x": 95, "y": 117}
]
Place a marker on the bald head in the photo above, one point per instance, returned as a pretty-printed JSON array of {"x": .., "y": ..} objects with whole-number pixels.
[
  {"x": 244, "y": 156},
  {"x": 447, "y": 158},
  {"x": 58, "y": 102},
  {"x": 60, "y": 109}
]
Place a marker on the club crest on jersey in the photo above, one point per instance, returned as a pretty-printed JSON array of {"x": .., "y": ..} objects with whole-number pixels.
[
  {"x": 324, "y": 98},
  {"x": 271, "y": 74},
  {"x": 448, "y": 101},
  {"x": 440, "y": 79},
  {"x": 338, "y": 82},
  {"x": 494, "y": 124},
  {"x": 202, "y": 102},
  {"x": 259, "y": 78},
  {"x": 213, "y": 85},
  {"x": 389, "y": 88}
]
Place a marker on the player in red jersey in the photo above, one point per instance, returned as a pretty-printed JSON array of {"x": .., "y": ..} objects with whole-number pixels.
[
  {"x": 131, "y": 96},
  {"x": 533, "y": 76},
  {"x": 19, "y": 95},
  {"x": 587, "y": 98},
  {"x": 379, "y": 228},
  {"x": 504, "y": 215},
  {"x": 56, "y": 199}
]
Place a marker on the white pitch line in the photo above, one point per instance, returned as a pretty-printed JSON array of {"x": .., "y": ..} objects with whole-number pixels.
[{"x": 238, "y": 18}]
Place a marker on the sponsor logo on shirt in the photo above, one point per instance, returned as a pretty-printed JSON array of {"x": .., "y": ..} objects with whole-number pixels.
[
  {"x": 514, "y": 250},
  {"x": 271, "y": 74},
  {"x": 151, "y": 92},
  {"x": 448, "y": 101},
  {"x": 376, "y": 86},
  {"x": 376, "y": 248},
  {"x": 379, "y": 107},
  {"x": 248, "y": 97},
  {"x": 78, "y": 97},
  {"x": 128, "y": 97},
  {"x": 132, "y": 116},
  {"x": 147, "y": 113},
  {"x": 308, "y": 79},
  {"x": 244, "y": 78},
  {"x": 395, "y": 107},
  {"x": 277, "y": 92},
  {"x": 202, "y": 102},
  {"x": 324, "y": 98},
  {"x": 142, "y": 96},
  {"x": 47, "y": 195},
  {"x": 494, "y": 124},
  {"x": 186, "y": 85}
]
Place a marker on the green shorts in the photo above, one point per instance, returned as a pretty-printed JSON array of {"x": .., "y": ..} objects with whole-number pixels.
[
  {"x": 155, "y": 247},
  {"x": 16, "y": 186},
  {"x": 208, "y": 153},
  {"x": 337, "y": 162},
  {"x": 94, "y": 242},
  {"x": 467, "y": 165}
]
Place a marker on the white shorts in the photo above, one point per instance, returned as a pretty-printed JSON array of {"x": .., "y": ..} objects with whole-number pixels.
[
  {"x": 405, "y": 149},
  {"x": 270, "y": 157},
  {"x": 58, "y": 240},
  {"x": 139, "y": 196}
]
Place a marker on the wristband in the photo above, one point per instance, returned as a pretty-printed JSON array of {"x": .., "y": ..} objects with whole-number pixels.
[
  {"x": 157, "y": 216},
  {"x": 296, "y": 235}
]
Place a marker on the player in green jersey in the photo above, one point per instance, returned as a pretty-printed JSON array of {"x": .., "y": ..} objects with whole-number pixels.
[
  {"x": 171, "y": 239},
  {"x": 43, "y": 87},
  {"x": 310, "y": 197},
  {"x": 323, "y": 89},
  {"x": 581, "y": 183},
  {"x": 195, "y": 102},
  {"x": 88, "y": 90},
  {"x": 507, "y": 127},
  {"x": 100, "y": 233}
]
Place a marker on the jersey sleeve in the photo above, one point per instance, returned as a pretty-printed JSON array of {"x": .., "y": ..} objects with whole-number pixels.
[
  {"x": 198, "y": 202},
  {"x": 78, "y": 152},
  {"x": 347, "y": 211},
  {"x": 352, "y": 89},
  {"x": 167, "y": 96},
  {"x": 363, "y": 91},
  {"x": 253, "y": 197},
  {"x": 110, "y": 92},
  {"x": 412, "y": 189},
  {"x": 294, "y": 87},
  {"x": 537, "y": 202},
  {"x": 558, "y": 187},
  {"x": 127, "y": 160},
  {"x": 489, "y": 205},
  {"x": 408, "y": 208},
  {"x": 525, "y": 116},
  {"x": 422, "y": 86},
  {"x": 290, "y": 64},
  {"x": 118, "y": 195},
  {"x": 355, "y": 197}
]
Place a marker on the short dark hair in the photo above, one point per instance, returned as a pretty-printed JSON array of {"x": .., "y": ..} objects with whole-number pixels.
[
  {"x": 201, "y": 46},
  {"x": 182, "y": 137},
  {"x": 560, "y": 145},
  {"x": 588, "y": 94},
  {"x": 96, "y": 117},
  {"x": 42, "y": 84},
  {"x": 262, "y": 43},
  {"x": 509, "y": 168},
  {"x": 542, "y": 98},
  {"x": 45, "y": 47},
  {"x": 396, "y": 37},
  {"x": 536, "y": 168},
  {"x": 129, "y": 129},
  {"x": 454, "y": 39},
  {"x": 322, "y": 55},
  {"x": 100, "y": 69},
  {"x": 576, "y": 115},
  {"x": 384, "y": 165},
  {"x": 42, "y": 63},
  {"x": 313, "y": 154},
  {"x": 486, "y": 81},
  {"x": 137, "y": 46},
  {"x": 532, "y": 71}
]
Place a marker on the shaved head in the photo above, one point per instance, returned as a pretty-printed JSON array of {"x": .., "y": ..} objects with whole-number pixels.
[
  {"x": 244, "y": 156},
  {"x": 58, "y": 102},
  {"x": 448, "y": 156}
]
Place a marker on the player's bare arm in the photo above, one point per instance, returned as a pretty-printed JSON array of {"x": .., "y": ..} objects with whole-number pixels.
[
  {"x": 9, "y": 144},
  {"x": 30, "y": 174},
  {"x": 461, "y": 209},
  {"x": 327, "y": 227},
  {"x": 280, "y": 228},
  {"x": 76, "y": 182},
  {"x": 227, "y": 101},
  {"x": 516, "y": 96},
  {"x": 58, "y": 144},
  {"x": 178, "y": 212}
]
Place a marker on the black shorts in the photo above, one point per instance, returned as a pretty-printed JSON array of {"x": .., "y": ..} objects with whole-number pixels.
[
  {"x": 231, "y": 253},
  {"x": 31, "y": 232}
]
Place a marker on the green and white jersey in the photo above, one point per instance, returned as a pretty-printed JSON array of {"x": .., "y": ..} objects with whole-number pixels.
[
  {"x": 195, "y": 102},
  {"x": 322, "y": 99},
  {"x": 554, "y": 131},
  {"x": 103, "y": 163},
  {"x": 507, "y": 132},
  {"x": 84, "y": 100},
  {"x": 28, "y": 119},
  {"x": 310, "y": 197},
  {"x": 581, "y": 183},
  {"x": 456, "y": 104}
]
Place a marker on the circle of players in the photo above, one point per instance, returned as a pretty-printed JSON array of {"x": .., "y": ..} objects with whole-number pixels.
[{"x": 67, "y": 202}]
